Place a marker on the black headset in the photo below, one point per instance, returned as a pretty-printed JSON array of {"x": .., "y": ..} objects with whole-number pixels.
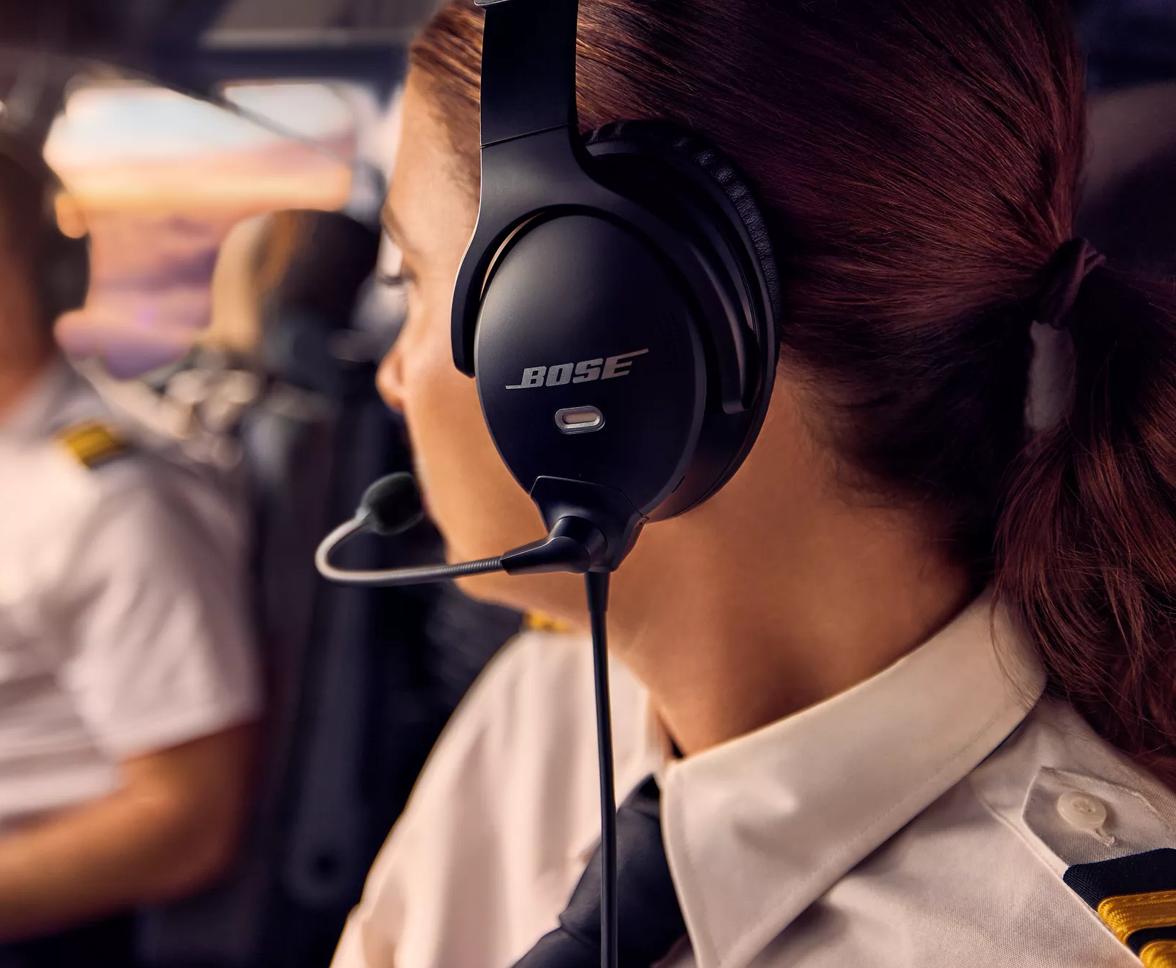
[
  {"x": 617, "y": 304},
  {"x": 62, "y": 262}
]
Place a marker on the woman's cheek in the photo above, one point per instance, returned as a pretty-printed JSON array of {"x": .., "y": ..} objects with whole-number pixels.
[
  {"x": 449, "y": 438},
  {"x": 469, "y": 492},
  {"x": 471, "y": 496}
]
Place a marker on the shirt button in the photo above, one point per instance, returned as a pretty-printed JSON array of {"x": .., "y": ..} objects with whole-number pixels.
[{"x": 1084, "y": 812}]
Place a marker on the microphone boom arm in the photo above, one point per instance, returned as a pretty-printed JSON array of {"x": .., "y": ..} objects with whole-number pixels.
[
  {"x": 390, "y": 578},
  {"x": 573, "y": 545}
]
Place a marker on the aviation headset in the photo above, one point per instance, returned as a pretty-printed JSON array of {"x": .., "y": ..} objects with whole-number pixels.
[
  {"x": 617, "y": 306},
  {"x": 618, "y": 300},
  {"x": 62, "y": 262}
]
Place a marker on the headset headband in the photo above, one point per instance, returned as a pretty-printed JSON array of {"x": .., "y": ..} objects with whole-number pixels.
[{"x": 528, "y": 68}]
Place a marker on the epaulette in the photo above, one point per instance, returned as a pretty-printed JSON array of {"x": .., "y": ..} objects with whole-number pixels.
[
  {"x": 92, "y": 443},
  {"x": 539, "y": 622},
  {"x": 1134, "y": 896}
]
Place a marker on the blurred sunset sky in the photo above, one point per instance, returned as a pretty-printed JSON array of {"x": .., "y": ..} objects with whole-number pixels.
[{"x": 160, "y": 179}]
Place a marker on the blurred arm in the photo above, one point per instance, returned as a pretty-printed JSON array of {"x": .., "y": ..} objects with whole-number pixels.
[{"x": 170, "y": 829}]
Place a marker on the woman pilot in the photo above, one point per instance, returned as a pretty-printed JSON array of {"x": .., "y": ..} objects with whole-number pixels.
[{"x": 903, "y": 692}]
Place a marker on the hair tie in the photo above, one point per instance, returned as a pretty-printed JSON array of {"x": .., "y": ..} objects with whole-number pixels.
[
  {"x": 1051, "y": 369},
  {"x": 1071, "y": 264}
]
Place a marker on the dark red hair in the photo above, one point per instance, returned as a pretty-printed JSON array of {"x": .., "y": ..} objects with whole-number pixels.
[{"x": 920, "y": 165}]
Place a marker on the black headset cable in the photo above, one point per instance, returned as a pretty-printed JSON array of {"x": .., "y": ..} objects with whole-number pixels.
[{"x": 596, "y": 583}]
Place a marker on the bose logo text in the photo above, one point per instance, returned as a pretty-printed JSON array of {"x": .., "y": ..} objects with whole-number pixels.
[{"x": 586, "y": 371}]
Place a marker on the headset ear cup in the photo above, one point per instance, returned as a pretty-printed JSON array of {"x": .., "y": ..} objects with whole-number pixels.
[
  {"x": 71, "y": 269},
  {"x": 654, "y": 138},
  {"x": 686, "y": 181},
  {"x": 65, "y": 274}
]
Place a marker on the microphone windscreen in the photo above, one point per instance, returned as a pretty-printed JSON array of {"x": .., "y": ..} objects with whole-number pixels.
[{"x": 392, "y": 504}]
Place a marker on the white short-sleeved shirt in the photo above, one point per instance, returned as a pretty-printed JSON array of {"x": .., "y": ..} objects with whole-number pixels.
[
  {"x": 923, "y": 818},
  {"x": 124, "y": 623}
]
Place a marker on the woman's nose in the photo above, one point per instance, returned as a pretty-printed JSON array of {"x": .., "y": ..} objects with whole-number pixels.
[{"x": 390, "y": 378}]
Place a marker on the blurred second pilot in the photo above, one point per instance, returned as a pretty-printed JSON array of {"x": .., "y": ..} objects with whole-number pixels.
[{"x": 127, "y": 684}]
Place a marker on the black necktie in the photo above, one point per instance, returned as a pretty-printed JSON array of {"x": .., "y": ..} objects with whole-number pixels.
[{"x": 649, "y": 919}]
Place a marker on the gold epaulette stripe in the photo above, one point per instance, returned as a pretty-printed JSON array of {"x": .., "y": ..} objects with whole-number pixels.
[
  {"x": 1159, "y": 954},
  {"x": 538, "y": 622},
  {"x": 1125, "y": 914},
  {"x": 92, "y": 442}
]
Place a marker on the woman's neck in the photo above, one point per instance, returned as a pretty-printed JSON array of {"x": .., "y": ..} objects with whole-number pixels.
[{"x": 762, "y": 623}]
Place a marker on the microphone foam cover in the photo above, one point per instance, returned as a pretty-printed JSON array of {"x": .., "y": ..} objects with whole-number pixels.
[{"x": 392, "y": 504}]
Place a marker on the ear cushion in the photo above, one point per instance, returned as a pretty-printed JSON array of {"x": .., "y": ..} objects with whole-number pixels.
[
  {"x": 669, "y": 141},
  {"x": 690, "y": 183}
]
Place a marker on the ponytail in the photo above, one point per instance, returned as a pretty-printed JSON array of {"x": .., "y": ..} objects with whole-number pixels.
[{"x": 1086, "y": 539}]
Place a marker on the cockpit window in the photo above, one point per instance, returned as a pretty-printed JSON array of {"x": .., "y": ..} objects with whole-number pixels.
[{"x": 160, "y": 178}]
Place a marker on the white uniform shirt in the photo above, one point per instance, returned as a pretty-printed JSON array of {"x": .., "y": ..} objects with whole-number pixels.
[
  {"x": 124, "y": 624},
  {"x": 912, "y": 821}
]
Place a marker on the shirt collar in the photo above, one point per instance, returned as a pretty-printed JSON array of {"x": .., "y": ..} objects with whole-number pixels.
[
  {"x": 37, "y": 412},
  {"x": 758, "y": 828}
]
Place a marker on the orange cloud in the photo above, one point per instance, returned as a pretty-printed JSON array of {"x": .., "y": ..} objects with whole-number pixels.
[{"x": 279, "y": 175}]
